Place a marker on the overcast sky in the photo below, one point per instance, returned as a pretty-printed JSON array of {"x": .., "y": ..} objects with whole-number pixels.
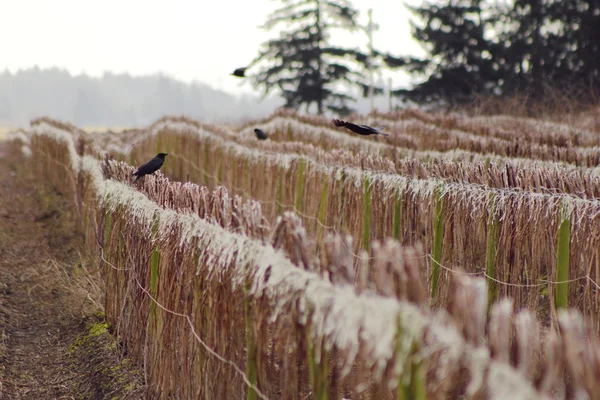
[{"x": 191, "y": 40}]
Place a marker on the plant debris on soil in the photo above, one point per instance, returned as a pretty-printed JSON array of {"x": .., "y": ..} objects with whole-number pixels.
[{"x": 54, "y": 340}]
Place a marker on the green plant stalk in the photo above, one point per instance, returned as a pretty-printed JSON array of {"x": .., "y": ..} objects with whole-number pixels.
[
  {"x": 205, "y": 164},
  {"x": 248, "y": 183},
  {"x": 397, "y": 216},
  {"x": 300, "y": 184},
  {"x": 108, "y": 222},
  {"x": 311, "y": 366},
  {"x": 154, "y": 262},
  {"x": 154, "y": 265},
  {"x": 403, "y": 389},
  {"x": 121, "y": 263},
  {"x": 220, "y": 170},
  {"x": 492, "y": 240},
  {"x": 562, "y": 268},
  {"x": 159, "y": 143},
  {"x": 251, "y": 349},
  {"x": 438, "y": 241},
  {"x": 110, "y": 276},
  {"x": 176, "y": 161},
  {"x": 318, "y": 372},
  {"x": 418, "y": 388},
  {"x": 342, "y": 196},
  {"x": 411, "y": 384},
  {"x": 367, "y": 206}
]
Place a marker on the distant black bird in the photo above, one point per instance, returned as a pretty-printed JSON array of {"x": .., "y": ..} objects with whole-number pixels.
[
  {"x": 360, "y": 129},
  {"x": 150, "y": 167},
  {"x": 240, "y": 72},
  {"x": 260, "y": 134}
]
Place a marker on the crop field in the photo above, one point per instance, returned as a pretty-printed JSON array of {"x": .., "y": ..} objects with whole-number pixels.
[{"x": 458, "y": 258}]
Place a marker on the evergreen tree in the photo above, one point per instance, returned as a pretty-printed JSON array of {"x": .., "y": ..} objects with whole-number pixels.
[
  {"x": 303, "y": 65},
  {"x": 576, "y": 44},
  {"x": 462, "y": 61},
  {"x": 480, "y": 47}
]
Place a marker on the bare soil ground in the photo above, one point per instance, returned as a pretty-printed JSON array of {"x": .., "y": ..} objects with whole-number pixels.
[{"x": 54, "y": 342}]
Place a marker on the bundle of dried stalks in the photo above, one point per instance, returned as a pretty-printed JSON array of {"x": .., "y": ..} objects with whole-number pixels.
[
  {"x": 418, "y": 135},
  {"x": 507, "y": 127}
]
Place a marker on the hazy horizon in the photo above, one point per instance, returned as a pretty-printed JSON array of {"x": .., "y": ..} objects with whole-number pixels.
[
  {"x": 127, "y": 100},
  {"x": 180, "y": 39}
]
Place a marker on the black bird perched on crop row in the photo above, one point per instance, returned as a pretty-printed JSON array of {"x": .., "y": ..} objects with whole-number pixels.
[
  {"x": 360, "y": 129},
  {"x": 260, "y": 134},
  {"x": 240, "y": 72},
  {"x": 150, "y": 167}
]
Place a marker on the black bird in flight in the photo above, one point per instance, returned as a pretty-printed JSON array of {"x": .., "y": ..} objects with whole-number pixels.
[
  {"x": 260, "y": 134},
  {"x": 150, "y": 167},
  {"x": 360, "y": 129},
  {"x": 240, "y": 72}
]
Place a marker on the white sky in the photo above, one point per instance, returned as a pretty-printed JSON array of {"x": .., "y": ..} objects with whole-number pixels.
[{"x": 189, "y": 40}]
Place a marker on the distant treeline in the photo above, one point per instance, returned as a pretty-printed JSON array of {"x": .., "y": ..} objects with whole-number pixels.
[{"x": 117, "y": 99}]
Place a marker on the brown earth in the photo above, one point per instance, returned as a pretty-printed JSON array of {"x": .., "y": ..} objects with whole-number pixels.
[{"x": 54, "y": 342}]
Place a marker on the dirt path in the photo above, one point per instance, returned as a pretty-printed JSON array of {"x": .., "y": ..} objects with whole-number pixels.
[{"x": 55, "y": 344}]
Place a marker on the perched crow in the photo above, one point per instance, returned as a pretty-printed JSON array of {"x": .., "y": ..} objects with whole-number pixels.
[
  {"x": 360, "y": 129},
  {"x": 240, "y": 72},
  {"x": 150, "y": 167},
  {"x": 260, "y": 134}
]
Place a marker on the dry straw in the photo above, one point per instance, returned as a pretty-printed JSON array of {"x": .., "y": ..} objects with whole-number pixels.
[
  {"x": 525, "y": 253},
  {"x": 441, "y": 356},
  {"x": 312, "y": 331}
]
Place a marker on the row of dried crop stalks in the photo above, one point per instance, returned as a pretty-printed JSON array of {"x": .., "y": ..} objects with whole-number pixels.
[
  {"x": 577, "y": 132},
  {"x": 296, "y": 332},
  {"x": 540, "y": 249},
  {"x": 503, "y": 127},
  {"x": 456, "y": 166},
  {"x": 417, "y": 135},
  {"x": 179, "y": 284},
  {"x": 523, "y": 174}
]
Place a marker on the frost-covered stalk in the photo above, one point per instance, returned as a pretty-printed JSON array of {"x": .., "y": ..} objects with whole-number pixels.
[
  {"x": 300, "y": 184},
  {"x": 562, "y": 256},
  {"x": 397, "y": 215},
  {"x": 438, "y": 240},
  {"x": 367, "y": 206},
  {"x": 492, "y": 239}
]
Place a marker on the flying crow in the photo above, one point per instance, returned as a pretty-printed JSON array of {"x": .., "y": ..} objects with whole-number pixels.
[
  {"x": 240, "y": 72},
  {"x": 150, "y": 167},
  {"x": 260, "y": 134},
  {"x": 360, "y": 129}
]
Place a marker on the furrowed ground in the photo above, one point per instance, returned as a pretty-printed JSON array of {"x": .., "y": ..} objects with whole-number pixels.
[{"x": 54, "y": 343}]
